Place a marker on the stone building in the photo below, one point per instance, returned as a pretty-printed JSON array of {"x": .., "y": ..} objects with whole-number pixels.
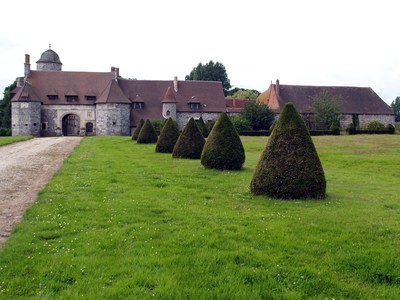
[
  {"x": 51, "y": 102},
  {"x": 359, "y": 104}
]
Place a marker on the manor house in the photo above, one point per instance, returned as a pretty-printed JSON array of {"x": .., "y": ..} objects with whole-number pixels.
[{"x": 51, "y": 102}]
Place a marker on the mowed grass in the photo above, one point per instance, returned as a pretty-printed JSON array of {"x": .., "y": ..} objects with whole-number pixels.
[
  {"x": 5, "y": 140},
  {"x": 121, "y": 221}
]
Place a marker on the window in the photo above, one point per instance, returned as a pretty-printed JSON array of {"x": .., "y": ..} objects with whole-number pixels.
[
  {"x": 52, "y": 97},
  {"x": 44, "y": 126},
  {"x": 194, "y": 106},
  {"x": 71, "y": 98},
  {"x": 168, "y": 113},
  {"x": 90, "y": 98},
  {"x": 138, "y": 105},
  {"x": 89, "y": 127}
]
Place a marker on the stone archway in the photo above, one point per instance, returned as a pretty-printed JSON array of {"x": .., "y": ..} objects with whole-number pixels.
[{"x": 70, "y": 125}]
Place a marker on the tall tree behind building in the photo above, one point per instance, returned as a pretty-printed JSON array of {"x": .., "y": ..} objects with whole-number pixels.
[
  {"x": 396, "y": 108},
  {"x": 211, "y": 72},
  {"x": 5, "y": 107}
]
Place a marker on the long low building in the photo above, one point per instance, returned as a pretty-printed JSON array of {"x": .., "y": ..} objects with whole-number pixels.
[
  {"x": 50, "y": 102},
  {"x": 359, "y": 104}
]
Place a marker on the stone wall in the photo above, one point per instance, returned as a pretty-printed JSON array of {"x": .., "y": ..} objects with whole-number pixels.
[
  {"x": 113, "y": 119},
  {"x": 25, "y": 118},
  {"x": 169, "y": 110},
  {"x": 48, "y": 66},
  {"x": 365, "y": 119},
  {"x": 183, "y": 118},
  {"x": 52, "y": 116}
]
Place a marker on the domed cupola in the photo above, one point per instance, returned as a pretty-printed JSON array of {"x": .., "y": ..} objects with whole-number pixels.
[{"x": 49, "y": 61}]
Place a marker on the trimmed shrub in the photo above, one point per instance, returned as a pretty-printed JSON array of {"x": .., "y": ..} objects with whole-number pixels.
[
  {"x": 210, "y": 125},
  {"x": 335, "y": 129},
  {"x": 202, "y": 127},
  {"x": 289, "y": 167},
  {"x": 136, "y": 132},
  {"x": 157, "y": 124},
  {"x": 223, "y": 149},
  {"x": 190, "y": 143},
  {"x": 391, "y": 128},
  {"x": 168, "y": 137},
  {"x": 351, "y": 129},
  {"x": 375, "y": 125},
  {"x": 147, "y": 134}
]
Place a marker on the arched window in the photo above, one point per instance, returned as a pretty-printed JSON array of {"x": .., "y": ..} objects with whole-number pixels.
[
  {"x": 89, "y": 127},
  {"x": 168, "y": 113}
]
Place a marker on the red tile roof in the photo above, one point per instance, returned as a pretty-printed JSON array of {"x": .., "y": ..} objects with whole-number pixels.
[{"x": 235, "y": 105}]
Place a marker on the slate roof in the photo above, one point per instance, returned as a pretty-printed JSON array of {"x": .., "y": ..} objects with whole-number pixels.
[{"x": 355, "y": 100}]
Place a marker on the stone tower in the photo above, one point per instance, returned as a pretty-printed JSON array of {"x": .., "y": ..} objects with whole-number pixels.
[
  {"x": 49, "y": 61},
  {"x": 169, "y": 105},
  {"x": 113, "y": 111}
]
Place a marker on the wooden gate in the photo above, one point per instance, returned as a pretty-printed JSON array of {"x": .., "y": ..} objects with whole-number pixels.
[{"x": 70, "y": 125}]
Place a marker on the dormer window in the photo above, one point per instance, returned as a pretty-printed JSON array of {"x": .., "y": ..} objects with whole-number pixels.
[
  {"x": 52, "y": 97},
  {"x": 90, "y": 98},
  {"x": 195, "y": 106},
  {"x": 194, "y": 103},
  {"x": 71, "y": 98},
  {"x": 138, "y": 105}
]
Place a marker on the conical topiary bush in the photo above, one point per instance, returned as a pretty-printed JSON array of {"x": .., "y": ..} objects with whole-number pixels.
[
  {"x": 136, "y": 132},
  {"x": 168, "y": 137},
  {"x": 223, "y": 148},
  {"x": 190, "y": 143},
  {"x": 202, "y": 127},
  {"x": 147, "y": 134},
  {"x": 289, "y": 167}
]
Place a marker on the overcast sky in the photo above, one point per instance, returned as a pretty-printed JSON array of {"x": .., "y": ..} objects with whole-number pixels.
[{"x": 340, "y": 42}]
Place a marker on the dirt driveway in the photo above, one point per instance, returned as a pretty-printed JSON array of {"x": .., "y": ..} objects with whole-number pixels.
[{"x": 25, "y": 168}]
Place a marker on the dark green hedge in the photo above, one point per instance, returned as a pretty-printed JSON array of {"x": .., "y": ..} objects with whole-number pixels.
[
  {"x": 168, "y": 137},
  {"x": 147, "y": 134},
  {"x": 190, "y": 143},
  {"x": 223, "y": 149},
  {"x": 289, "y": 167}
]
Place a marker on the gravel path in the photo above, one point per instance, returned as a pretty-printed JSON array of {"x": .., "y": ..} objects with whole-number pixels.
[{"x": 25, "y": 168}]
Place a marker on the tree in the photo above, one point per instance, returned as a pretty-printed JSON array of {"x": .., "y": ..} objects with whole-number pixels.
[
  {"x": 5, "y": 107},
  {"x": 168, "y": 137},
  {"x": 211, "y": 72},
  {"x": 396, "y": 108},
  {"x": 238, "y": 93},
  {"x": 147, "y": 134},
  {"x": 190, "y": 143},
  {"x": 259, "y": 115},
  {"x": 289, "y": 167},
  {"x": 326, "y": 109},
  {"x": 223, "y": 149}
]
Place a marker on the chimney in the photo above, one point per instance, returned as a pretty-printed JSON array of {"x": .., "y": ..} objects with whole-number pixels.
[
  {"x": 277, "y": 87},
  {"x": 175, "y": 83},
  {"x": 27, "y": 66}
]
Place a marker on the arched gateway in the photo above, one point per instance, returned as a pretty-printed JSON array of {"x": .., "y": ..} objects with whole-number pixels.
[{"x": 70, "y": 125}]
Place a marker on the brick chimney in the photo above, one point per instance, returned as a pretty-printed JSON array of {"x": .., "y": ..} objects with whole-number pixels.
[
  {"x": 277, "y": 87},
  {"x": 175, "y": 83},
  {"x": 27, "y": 66}
]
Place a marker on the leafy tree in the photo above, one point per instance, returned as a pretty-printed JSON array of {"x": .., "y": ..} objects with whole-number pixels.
[
  {"x": 240, "y": 123},
  {"x": 289, "y": 167},
  {"x": 190, "y": 143},
  {"x": 212, "y": 72},
  {"x": 5, "y": 107},
  {"x": 147, "y": 134},
  {"x": 259, "y": 115},
  {"x": 243, "y": 94},
  {"x": 168, "y": 136},
  {"x": 396, "y": 108},
  {"x": 136, "y": 132},
  {"x": 223, "y": 149},
  {"x": 326, "y": 109}
]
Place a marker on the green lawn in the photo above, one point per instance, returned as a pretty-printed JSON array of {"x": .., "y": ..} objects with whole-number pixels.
[
  {"x": 5, "y": 140},
  {"x": 121, "y": 221}
]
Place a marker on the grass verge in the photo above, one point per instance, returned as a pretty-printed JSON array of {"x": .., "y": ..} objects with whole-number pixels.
[
  {"x": 5, "y": 140},
  {"x": 121, "y": 221}
]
